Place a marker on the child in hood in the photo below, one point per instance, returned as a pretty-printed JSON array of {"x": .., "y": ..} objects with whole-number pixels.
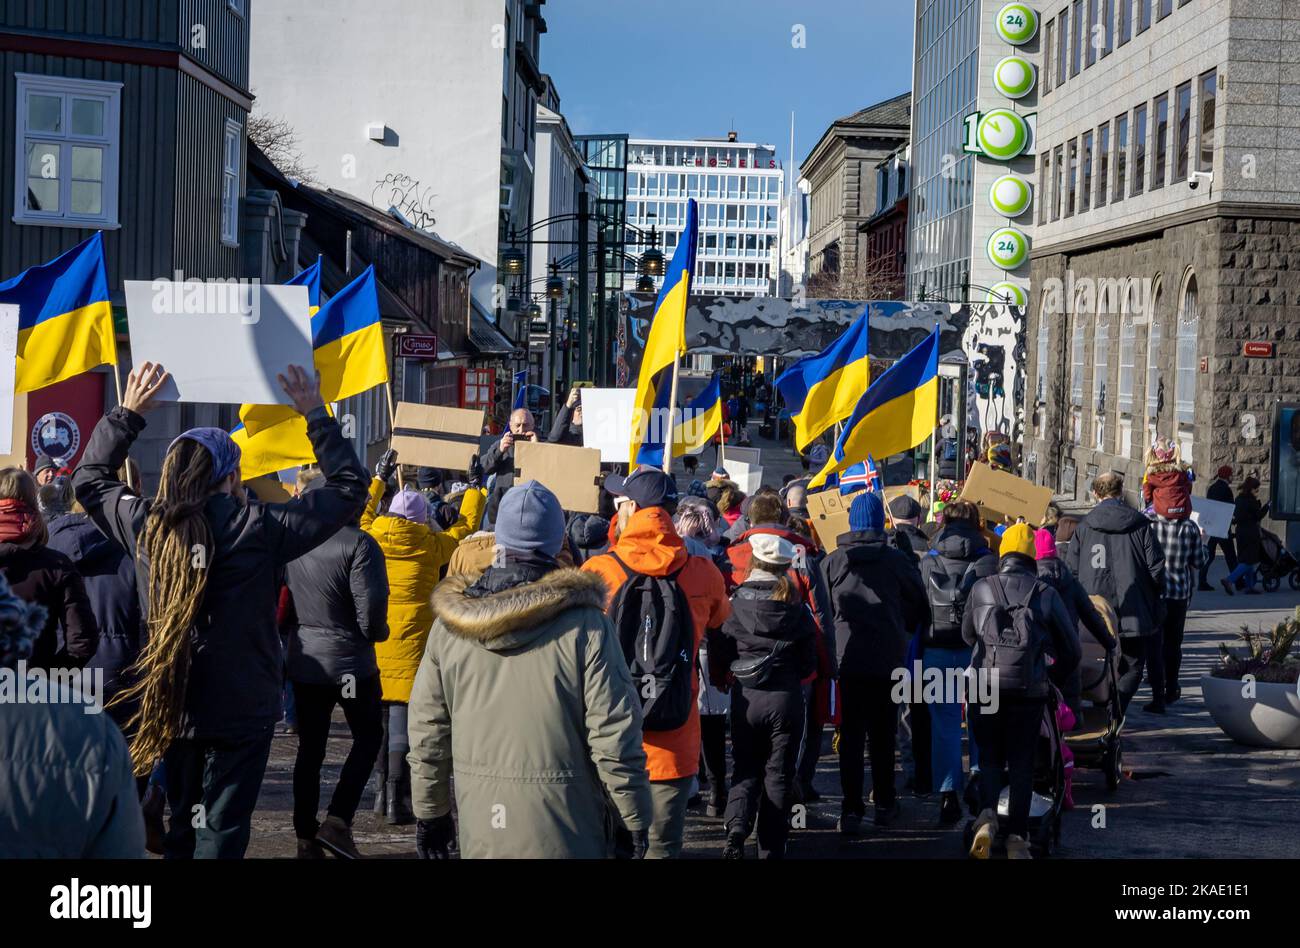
[{"x": 1167, "y": 486}]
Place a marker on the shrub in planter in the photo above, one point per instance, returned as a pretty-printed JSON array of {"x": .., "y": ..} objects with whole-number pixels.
[{"x": 1272, "y": 657}]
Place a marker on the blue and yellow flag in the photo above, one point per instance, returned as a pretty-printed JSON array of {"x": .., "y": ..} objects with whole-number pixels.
[
  {"x": 310, "y": 278},
  {"x": 261, "y": 417},
  {"x": 277, "y": 449},
  {"x": 348, "y": 343},
  {"x": 664, "y": 345},
  {"x": 898, "y": 412},
  {"x": 65, "y": 319},
  {"x": 693, "y": 425},
  {"x": 820, "y": 390}
]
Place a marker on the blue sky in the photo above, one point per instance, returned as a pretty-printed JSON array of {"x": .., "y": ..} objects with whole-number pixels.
[{"x": 692, "y": 68}]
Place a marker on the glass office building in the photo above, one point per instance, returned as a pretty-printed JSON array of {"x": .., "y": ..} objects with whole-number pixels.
[
  {"x": 738, "y": 188},
  {"x": 944, "y": 92}
]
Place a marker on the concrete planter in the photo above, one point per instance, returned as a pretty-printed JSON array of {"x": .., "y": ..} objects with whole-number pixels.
[{"x": 1270, "y": 719}]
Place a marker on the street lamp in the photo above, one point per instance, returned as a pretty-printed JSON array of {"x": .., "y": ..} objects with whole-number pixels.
[
  {"x": 645, "y": 284},
  {"x": 512, "y": 261},
  {"x": 652, "y": 260},
  {"x": 554, "y": 285}
]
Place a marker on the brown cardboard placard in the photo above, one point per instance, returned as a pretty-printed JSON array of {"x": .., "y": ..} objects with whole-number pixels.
[
  {"x": 572, "y": 474},
  {"x": 434, "y": 436},
  {"x": 829, "y": 516},
  {"x": 1000, "y": 496}
]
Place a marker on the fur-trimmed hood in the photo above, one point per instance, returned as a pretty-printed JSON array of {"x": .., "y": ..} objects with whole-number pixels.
[{"x": 514, "y": 617}]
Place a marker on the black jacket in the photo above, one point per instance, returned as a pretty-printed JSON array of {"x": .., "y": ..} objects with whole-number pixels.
[
  {"x": 109, "y": 577},
  {"x": 563, "y": 432},
  {"x": 757, "y": 622},
  {"x": 1219, "y": 490},
  {"x": 340, "y": 609},
  {"x": 502, "y": 464},
  {"x": 956, "y": 548},
  {"x": 877, "y": 600},
  {"x": 1250, "y": 538},
  {"x": 1017, "y": 578},
  {"x": 910, "y": 539},
  {"x": 237, "y": 660},
  {"x": 1115, "y": 554},
  {"x": 48, "y": 578}
]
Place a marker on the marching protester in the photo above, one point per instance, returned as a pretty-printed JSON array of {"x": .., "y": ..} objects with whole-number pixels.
[
  {"x": 210, "y": 674},
  {"x": 654, "y": 584},
  {"x": 1180, "y": 540},
  {"x": 414, "y": 554},
  {"x": 524, "y": 669},
  {"x": 567, "y": 428},
  {"x": 1220, "y": 490},
  {"x": 959, "y": 558},
  {"x": 1016, "y": 625},
  {"x": 68, "y": 788},
  {"x": 1246, "y": 519},
  {"x": 499, "y": 460},
  {"x": 338, "y": 603},
  {"x": 878, "y": 603},
  {"x": 905, "y": 511},
  {"x": 1114, "y": 553},
  {"x": 764, "y": 650},
  {"x": 44, "y": 576},
  {"x": 46, "y": 469}
]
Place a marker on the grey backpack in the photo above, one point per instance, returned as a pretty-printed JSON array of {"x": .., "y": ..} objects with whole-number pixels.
[{"x": 1014, "y": 640}]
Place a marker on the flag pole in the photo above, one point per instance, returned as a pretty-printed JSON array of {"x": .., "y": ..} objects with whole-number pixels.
[
  {"x": 671, "y": 440},
  {"x": 392, "y": 427}
]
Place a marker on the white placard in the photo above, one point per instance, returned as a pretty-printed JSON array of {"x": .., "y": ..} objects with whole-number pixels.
[
  {"x": 8, "y": 368},
  {"x": 1212, "y": 516},
  {"x": 747, "y": 478},
  {"x": 607, "y": 422},
  {"x": 221, "y": 342},
  {"x": 750, "y": 456}
]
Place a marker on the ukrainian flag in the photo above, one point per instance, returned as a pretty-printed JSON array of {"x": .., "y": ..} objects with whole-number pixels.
[
  {"x": 898, "y": 412},
  {"x": 261, "y": 417},
  {"x": 277, "y": 449},
  {"x": 820, "y": 390},
  {"x": 694, "y": 425},
  {"x": 664, "y": 345},
  {"x": 65, "y": 319},
  {"x": 310, "y": 278}
]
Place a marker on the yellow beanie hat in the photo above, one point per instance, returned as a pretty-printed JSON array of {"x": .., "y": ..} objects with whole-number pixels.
[{"x": 1018, "y": 538}]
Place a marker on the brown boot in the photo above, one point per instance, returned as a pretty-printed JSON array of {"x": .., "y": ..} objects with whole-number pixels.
[
  {"x": 986, "y": 826},
  {"x": 336, "y": 836},
  {"x": 1018, "y": 848}
]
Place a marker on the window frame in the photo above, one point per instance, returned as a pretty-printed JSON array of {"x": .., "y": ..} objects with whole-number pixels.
[
  {"x": 1183, "y": 140},
  {"x": 1159, "y": 142},
  {"x": 1212, "y": 76},
  {"x": 230, "y": 238},
  {"x": 1141, "y": 125},
  {"x": 1103, "y": 165},
  {"x": 1121, "y": 159},
  {"x": 67, "y": 88}
]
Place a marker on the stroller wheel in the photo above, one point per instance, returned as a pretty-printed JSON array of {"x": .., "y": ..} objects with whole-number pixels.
[
  {"x": 1271, "y": 584},
  {"x": 1294, "y": 579}
]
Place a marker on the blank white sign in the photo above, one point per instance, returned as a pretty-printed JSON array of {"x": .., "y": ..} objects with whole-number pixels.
[
  {"x": 8, "y": 368},
  {"x": 222, "y": 343},
  {"x": 1212, "y": 516},
  {"x": 607, "y": 422}
]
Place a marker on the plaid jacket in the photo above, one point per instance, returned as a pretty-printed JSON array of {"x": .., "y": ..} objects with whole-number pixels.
[{"x": 1185, "y": 554}]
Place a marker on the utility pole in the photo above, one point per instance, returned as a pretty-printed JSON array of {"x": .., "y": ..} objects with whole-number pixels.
[{"x": 584, "y": 293}]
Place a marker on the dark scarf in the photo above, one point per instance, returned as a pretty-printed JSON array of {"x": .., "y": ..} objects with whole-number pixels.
[{"x": 521, "y": 568}]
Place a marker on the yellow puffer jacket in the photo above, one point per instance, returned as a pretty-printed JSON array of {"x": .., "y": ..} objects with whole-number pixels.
[{"x": 414, "y": 556}]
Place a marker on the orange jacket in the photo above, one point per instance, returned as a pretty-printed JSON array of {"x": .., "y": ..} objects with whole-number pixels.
[{"x": 650, "y": 545}]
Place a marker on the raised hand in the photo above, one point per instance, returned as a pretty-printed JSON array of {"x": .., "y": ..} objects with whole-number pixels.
[
  {"x": 302, "y": 388},
  {"x": 142, "y": 387}
]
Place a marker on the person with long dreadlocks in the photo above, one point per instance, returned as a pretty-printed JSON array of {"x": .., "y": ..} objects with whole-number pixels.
[{"x": 208, "y": 563}]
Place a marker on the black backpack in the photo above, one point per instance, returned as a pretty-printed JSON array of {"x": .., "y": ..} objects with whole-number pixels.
[
  {"x": 652, "y": 618},
  {"x": 948, "y": 591},
  {"x": 1014, "y": 640}
]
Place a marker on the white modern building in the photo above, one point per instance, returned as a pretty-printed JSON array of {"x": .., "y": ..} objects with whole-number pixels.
[
  {"x": 794, "y": 239},
  {"x": 738, "y": 188},
  {"x": 395, "y": 102}
]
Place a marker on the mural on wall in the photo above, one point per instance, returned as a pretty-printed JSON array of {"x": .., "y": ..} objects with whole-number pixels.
[{"x": 991, "y": 337}]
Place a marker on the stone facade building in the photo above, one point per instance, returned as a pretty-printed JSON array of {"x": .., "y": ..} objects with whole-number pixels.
[{"x": 1167, "y": 237}]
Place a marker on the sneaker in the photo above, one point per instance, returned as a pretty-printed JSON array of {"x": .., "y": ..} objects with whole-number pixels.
[
  {"x": 949, "y": 808},
  {"x": 850, "y": 824},
  {"x": 735, "y": 848},
  {"x": 1155, "y": 707},
  {"x": 716, "y": 807},
  {"x": 986, "y": 825},
  {"x": 310, "y": 849},
  {"x": 336, "y": 836},
  {"x": 1172, "y": 695},
  {"x": 888, "y": 814},
  {"x": 1227, "y": 587},
  {"x": 1018, "y": 848}
]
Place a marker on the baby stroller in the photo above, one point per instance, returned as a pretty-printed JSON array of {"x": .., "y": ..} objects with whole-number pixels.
[
  {"x": 1096, "y": 741},
  {"x": 1276, "y": 563},
  {"x": 1044, "y": 832}
]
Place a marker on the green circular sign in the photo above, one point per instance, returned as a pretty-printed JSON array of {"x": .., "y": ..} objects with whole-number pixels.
[
  {"x": 1017, "y": 23},
  {"x": 1002, "y": 134},
  {"x": 1010, "y": 196},
  {"x": 1014, "y": 77},
  {"x": 1011, "y": 294},
  {"x": 1008, "y": 248}
]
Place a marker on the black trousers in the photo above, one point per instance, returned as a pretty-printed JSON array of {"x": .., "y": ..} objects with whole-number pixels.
[
  {"x": 315, "y": 709},
  {"x": 812, "y": 736},
  {"x": 765, "y": 737},
  {"x": 1007, "y": 740},
  {"x": 212, "y": 789},
  {"x": 869, "y": 713},
  {"x": 713, "y": 753},
  {"x": 1229, "y": 555},
  {"x": 1172, "y": 640},
  {"x": 1137, "y": 654},
  {"x": 918, "y": 717}
]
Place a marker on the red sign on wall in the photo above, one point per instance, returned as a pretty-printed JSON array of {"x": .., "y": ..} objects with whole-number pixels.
[
  {"x": 61, "y": 417},
  {"x": 1257, "y": 350}
]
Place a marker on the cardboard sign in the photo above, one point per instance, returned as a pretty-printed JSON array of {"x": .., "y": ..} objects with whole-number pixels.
[
  {"x": 829, "y": 515},
  {"x": 1000, "y": 495},
  {"x": 750, "y": 456},
  {"x": 901, "y": 490},
  {"x": 571, "y": 473},
  {"x": 1212, "y": 516},
  {"x": 222, "y": 343},
  {"x": 8, "y": 368},
  {"x": 607, "y": 422},
  {"x": 747, "y": 478},
  {"x": 434, "y": 436}
]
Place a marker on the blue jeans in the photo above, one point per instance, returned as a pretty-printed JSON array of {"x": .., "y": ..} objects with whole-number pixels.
[
  {"x": 945, "y": 724},
  {"x": 1244, "y": 571}
]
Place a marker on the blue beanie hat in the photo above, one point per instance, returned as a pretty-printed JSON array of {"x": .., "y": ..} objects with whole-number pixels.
[
  {"x": 867, "y": 512},
  {"x": 530, "y": 519}
]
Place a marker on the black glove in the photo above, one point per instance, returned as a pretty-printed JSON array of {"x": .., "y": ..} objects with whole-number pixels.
[
  {"x": 433, "y": 837},
  {"x": 386, "y": 465},
  {"x": 630, "y": 845},
  {"x": 475, "y": 472}
]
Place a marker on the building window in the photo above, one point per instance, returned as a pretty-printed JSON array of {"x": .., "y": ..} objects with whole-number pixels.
[
  {"x": 1049, "y": 49},
  {"x": 1103, "y": 163},
  {"x": 1044, "y": 176},
  {"x": 238, "y": 6},
  {"x": 1100, "y": 362},
  {"x": 1041, "y": 366},
  {"x": 1127, "y": 361},
  {"x": 1125, "y": 21},
  {"x": 1072, "y": 175},
  {"x": 1155, "y": 375},
  {"x": 1166, "y": 8},
  {"x": 1209, "y": 85},
  {"x": 1144, "y": 15},
  {"x": 1079, "y": 39},
  {"x": 1076, "y": 361},
  {"x": 1108, "y": 14},
  {"x": 1062, "y": 45},
  {"x": 1085, "y": 188},
  {"x": 68, "y": 136},
  {"x": 231, "y": 154},
  {"x": 1058, "y": 193},
  {"x": 1185, "y": 356},
  {"x": 1161, "y": 144},
  {"x": 1139, "y": 149},
  {"x": 1183, "y": 104},
  {"x": 1091, "y": 36},
  {"x": 1121, "y": 156}
]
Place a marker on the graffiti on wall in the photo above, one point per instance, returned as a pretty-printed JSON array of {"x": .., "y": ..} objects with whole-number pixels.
[{"x": 405, "y": 193}]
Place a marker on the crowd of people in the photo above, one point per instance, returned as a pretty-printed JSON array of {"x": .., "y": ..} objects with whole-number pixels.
[{"x": 520, "y": 680}]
